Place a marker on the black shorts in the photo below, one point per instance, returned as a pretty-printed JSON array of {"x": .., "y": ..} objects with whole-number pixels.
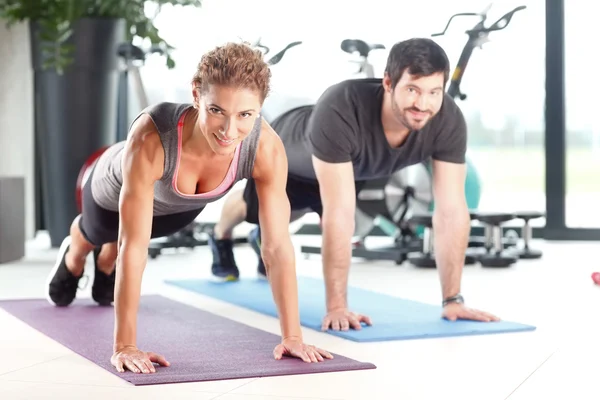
[
  {"x": 99, "y": 225},
  {"x": 302, "y": 195}
]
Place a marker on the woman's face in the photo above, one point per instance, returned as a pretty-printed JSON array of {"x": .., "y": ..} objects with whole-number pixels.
[{"x": 226, "y": 115}]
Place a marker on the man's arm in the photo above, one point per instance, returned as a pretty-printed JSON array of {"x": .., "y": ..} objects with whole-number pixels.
[
  {"x": 141, "y": 168},
  {"x": 451, "y": 224},
  {"x": 277, "y": 251},
  {"x": 336, "y": 182}
]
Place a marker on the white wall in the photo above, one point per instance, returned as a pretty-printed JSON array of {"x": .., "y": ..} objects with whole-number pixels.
[{"x": 17, "y": 113}]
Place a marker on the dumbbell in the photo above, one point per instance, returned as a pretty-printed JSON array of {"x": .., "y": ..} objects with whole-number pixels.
[
  {"x": 426, "y": 259},
  {"x": 527, "y": 252},
  {"x": 496, "y": 255}
]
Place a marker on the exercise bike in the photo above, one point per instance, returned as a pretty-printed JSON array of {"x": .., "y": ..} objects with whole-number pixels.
[
  {"x": 390, "y": 203},
  {"x": 363, "y": 49}
]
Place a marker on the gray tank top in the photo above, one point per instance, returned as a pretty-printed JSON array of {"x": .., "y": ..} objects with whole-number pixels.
[{"x": 107, "y": 177}]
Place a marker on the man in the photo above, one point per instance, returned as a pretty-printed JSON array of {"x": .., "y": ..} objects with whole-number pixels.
[{"x": 360, "y": 130}]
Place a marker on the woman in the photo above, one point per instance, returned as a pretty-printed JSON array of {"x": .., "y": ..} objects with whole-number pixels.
[{"x": 176, "y": 160}]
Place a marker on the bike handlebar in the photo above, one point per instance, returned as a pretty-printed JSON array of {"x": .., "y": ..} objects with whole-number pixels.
[
  {"x": 479, "y": 28},
  {"x": 277, "y": 57}
]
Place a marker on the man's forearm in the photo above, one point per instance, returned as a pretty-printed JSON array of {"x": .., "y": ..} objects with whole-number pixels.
[
  {"x": 128, "y": 284},
  {"x": 451, "y": 235},
  {"x": 336, "y": 252},
  {"x": 281, "y": 271}
]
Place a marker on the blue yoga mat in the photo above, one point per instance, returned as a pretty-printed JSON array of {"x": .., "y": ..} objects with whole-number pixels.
[{"x": 393, "y": 318}]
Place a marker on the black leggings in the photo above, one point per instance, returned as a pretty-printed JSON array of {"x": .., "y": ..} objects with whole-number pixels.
[{"x": 99, "y": 225}]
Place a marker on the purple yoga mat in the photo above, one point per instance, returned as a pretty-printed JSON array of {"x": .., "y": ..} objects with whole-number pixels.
[{"x": 200, "y": 346}]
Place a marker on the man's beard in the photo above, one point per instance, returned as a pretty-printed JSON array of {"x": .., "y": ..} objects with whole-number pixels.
[{"x": 403, "y": 118}]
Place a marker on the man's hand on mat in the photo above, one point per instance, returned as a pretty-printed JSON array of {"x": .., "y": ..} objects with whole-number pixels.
[
  {"x": 135, "y": 360},
  {"x": 343, "y": 319},
  {"x": 454, "y": 311},
  {"x": 295, "y": 348}
]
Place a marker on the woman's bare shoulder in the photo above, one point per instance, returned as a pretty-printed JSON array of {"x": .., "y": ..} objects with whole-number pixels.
[{"x": 144, "y": 148}]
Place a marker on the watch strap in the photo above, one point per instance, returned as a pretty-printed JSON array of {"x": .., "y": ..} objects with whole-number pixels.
[{"x": 453, "y": 299}]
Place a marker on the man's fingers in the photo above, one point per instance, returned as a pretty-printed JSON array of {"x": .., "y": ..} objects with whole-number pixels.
[
  {"x": 451, "y": 317},
  {"x": 493, "y": 317},
  {"x": 326, "y": 324},
  {"x": 157, "y": 358},
  {"x": 355, "y": 323},
  {"x": 479, "y": 316},
  {"x": 490, "y": 317},
  {"x": 476, "y": 315},
  {"x": 335, "y": 325},
  {"x": 366, "y": 319},
  {"x": 344, "y": 324}
]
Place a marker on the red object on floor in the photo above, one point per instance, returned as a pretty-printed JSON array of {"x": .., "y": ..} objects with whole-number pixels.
[{"x": 596, "y": 278}]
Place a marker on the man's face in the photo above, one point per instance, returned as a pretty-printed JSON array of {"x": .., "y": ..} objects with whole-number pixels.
[{"x": 415, "y": 100}]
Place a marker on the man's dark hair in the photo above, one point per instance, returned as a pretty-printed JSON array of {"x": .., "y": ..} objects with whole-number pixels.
[{"x": 418, "y": 56}]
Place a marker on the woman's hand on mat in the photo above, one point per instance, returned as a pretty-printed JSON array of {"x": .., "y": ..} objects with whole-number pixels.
[
  {"x": 343, "y": 319},
  {"x": 454, "y": 311},
  {"x": 135, "y": 360},
  {"x": 294, "y": 347}
]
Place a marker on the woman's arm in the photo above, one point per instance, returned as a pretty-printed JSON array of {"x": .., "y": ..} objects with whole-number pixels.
[
  {"x": 277, "y": 251},
  {"x": 142, "y": 162}
]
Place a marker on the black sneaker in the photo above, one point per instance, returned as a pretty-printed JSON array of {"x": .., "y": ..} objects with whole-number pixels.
[
  {"x": 103, "y": 288},
  {"x": 223, "y": 266},
  {"x": 61, "y": 284},
  {"x": 254, "y": 240}
]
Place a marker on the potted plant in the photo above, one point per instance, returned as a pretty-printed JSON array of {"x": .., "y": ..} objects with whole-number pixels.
[{"x": 76, "y": 74}]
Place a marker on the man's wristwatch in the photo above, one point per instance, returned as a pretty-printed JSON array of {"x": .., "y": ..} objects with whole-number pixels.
[{"x": 453, "y": 299}]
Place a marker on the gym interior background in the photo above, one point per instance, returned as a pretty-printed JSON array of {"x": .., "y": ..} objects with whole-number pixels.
[
  {"x": 530, "y": 108},
  {"x": 527, "y": 158}
]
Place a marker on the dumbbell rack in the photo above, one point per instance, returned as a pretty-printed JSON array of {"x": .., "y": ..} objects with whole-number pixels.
[
  {"x": 397, "y": 252},
  {"x": 496, "y": 250}
]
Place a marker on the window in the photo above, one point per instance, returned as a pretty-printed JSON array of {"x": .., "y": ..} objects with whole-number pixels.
[{"x": 583, "y": 127}]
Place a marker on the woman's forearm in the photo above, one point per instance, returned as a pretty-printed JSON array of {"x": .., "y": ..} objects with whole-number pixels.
[
  {"x": 280, "y": 263},
  {"x": 130, "y": 268}
]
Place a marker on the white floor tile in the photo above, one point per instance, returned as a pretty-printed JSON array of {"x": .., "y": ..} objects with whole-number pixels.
[
  {"x": 555, "y": 294},
  {"x": 17, "y": 390},
  {"x": 570, "y": 373}
]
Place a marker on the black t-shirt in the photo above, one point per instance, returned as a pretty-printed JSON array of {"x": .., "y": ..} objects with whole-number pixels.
[{"x": 345, "y": 125}]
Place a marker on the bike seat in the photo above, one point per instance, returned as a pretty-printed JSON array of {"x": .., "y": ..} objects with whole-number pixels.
[{"x": 363, "y": 48}]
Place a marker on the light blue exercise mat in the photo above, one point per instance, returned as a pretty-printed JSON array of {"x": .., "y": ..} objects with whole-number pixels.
[{"x": 393, "y": 318}]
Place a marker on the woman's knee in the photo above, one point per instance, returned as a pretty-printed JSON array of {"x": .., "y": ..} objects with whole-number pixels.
[{"x": 108, "y": 256}]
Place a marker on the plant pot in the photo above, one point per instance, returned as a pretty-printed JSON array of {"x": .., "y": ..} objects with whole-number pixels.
[{"x": 75, "y": 114}]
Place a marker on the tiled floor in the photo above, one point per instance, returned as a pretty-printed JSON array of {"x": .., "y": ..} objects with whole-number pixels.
[{"x": 555, "y": 293}]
